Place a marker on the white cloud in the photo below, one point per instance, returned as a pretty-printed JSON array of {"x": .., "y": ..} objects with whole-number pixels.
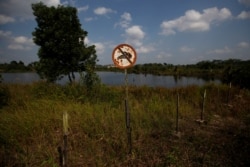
[
  {"x": 144, "y": 49},
  {"x": 6, "y": 19},
  {"x": 134, "y": 35},
  {"x": 224, "y": 50},
  {"x": 239, "y": 51},
  {"x": 125, "y": 20},
  {"x": 244, "y": 15},
  {"x": 244, "y": 45},
  {"x": 214, "y": 14},
  {"x": 195, "y": 21},
  {"x": 103, "y": 11},
  {"x": 16, "y": 43},
  {"x": 21, "y": 43},
  {"x": 5, "y": 33},
  {"x": 88, "y": 19},
  {"x": 245, "y": 2},
  {"x": 186, "y": 49},
  {"x": 86, "y": 40},
  {"x": 50, "y": 2},
  {"x": 23, "y": 40},
  {"x": 163, "y": 55},
  {"x": 99, "y": 48},
  {"x": 22, "y": 9},
  {"x": 69, "y": 3},
  {"x": 126, "y": 16},
  {"x": 83, "y": 8},
  {"x": 17, "y": 47}
]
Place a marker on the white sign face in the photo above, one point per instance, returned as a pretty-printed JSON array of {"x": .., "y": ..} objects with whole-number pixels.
[{"x": 124, "y": 56}]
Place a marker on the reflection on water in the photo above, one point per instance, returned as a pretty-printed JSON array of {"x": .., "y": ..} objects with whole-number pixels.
[
  {"x": 113, "y": 78},
  {"x": 23, "y": 78}
]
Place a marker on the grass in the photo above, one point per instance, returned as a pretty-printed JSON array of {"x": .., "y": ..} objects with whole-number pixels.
[{"x": 31, "y": 126}]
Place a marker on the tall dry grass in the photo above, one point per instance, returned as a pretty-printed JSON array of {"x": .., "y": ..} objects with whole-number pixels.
[{"x": 31, "y": 126}]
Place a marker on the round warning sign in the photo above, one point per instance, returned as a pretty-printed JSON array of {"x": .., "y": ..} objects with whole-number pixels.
[{"x": 124, "y": 56}]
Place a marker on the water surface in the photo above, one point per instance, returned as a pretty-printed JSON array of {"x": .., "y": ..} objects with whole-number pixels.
[{"x": 116, "y": 78}]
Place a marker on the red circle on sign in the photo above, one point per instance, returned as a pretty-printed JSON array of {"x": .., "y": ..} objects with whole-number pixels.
[{"x": 124, "y": 56}]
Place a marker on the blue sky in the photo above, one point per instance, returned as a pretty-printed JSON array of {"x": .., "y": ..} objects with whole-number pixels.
[{"x": 161, "y": 31}]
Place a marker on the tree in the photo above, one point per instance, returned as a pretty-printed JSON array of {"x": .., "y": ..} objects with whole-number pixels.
[
  {"x": 61, "y": 39},
  {"x": 237, "y": 73}
]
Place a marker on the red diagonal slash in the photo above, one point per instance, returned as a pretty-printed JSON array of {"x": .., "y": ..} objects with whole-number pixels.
[{"x": 125, "y": 56}]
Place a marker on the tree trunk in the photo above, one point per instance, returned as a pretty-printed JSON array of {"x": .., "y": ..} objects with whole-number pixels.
[
  {"x": 73, "y": 76},
  {"x": 70, "y": 80}
]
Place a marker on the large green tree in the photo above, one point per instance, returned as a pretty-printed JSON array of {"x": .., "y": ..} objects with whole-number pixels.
[{"x": 61, "y": 39}]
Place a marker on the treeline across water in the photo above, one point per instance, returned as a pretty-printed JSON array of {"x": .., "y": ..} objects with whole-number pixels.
[
  {"x": 232, "y": 71},
  {"x": 15, "y": 66}
]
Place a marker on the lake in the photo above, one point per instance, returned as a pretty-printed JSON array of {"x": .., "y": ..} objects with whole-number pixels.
[{"x": 117, "y": 78}]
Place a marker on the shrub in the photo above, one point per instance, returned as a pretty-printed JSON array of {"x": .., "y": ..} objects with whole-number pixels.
[
  {"x": 4, "y": 95},
  {"x": 1, "y": 78},
  {"x": 47, "y": 90}
]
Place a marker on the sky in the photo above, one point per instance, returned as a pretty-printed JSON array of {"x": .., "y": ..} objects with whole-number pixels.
[{"x": 160, "y": 31}]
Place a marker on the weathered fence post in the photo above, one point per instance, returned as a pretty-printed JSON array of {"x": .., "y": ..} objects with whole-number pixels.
[
  {"x": 203, "y": 105},
  {"x": 177, "y": 114},
  {"x": 229, "y": 93},
  {"x": 201, "y": 120},
  {"x": 63, "y": 157}
]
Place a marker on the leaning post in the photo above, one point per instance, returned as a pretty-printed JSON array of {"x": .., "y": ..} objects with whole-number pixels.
[
  {"x": 177, "y": 114},
  {"x": 203, "y": 105},
  {"x": 65, "y": 139}
]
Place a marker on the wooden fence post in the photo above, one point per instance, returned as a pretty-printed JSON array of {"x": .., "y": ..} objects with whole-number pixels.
[
  {"x": 229, "y": 93},
  {"x": 177, "y": 114},
  {"x": 63, "y": 156},
  {"x": 203, "y": 105},
  {"x": 201, "y": 120}
]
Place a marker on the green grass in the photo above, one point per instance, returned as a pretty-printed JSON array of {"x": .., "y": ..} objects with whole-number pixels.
[{"x": 31, "y": 126}]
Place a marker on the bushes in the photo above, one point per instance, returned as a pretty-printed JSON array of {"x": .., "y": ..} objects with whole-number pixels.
[
  {"x": 77, "y": 92},
  {"x": 4, "y": 95},
  {"x": 47, "y": 90}
]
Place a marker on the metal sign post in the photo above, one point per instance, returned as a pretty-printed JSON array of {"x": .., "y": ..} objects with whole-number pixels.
[{"x": 124, "y": 56}]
